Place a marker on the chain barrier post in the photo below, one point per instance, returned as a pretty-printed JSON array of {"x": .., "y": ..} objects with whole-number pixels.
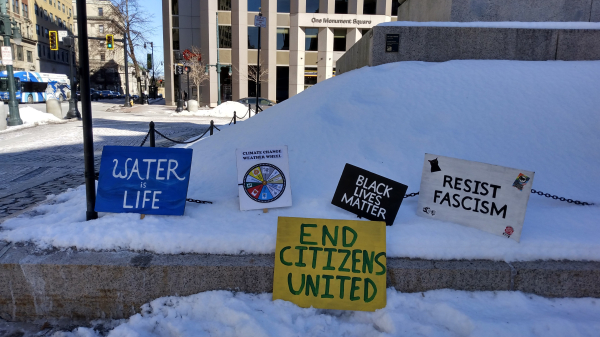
[
  {"x": 152, "y": 135},
  {"x": 212, "y": 125},
  {"x": 234, "y": 118}
]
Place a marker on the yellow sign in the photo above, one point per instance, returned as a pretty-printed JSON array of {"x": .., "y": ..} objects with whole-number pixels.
[{"x": 331, "y": 264}]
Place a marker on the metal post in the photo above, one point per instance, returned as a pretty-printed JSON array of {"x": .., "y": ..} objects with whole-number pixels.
[
  {"x": 234, "y": 117},
  {"x": 218, "y": 66},
  {"x": 153, "y": 74},
  {"x": 13, "y": 105},
  {"x": 179, "y": 100},
  {"x": 188, "y": 80},
  {"x": 86, "y": 112},
  {"x": 258, "y": 68},
  {"x": 152, "y": 135},
  {"x": 73, "y": 111},
  {"x": 212, "y": 126},
  {"x": 127, "y": 99}
]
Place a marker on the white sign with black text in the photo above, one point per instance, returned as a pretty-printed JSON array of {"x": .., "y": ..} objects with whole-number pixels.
[
  {"x": 264, "y": 178},
  {"x": 7, "y": 56},
  {"x": 487, "y": 197},
  {"x": 260, "y": 21}
]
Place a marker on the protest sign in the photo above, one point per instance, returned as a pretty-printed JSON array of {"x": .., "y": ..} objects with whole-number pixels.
[
  {"x": 146, "y": 180},
  {"x": 264, "y": 178},
  {"x": 331, "y": 264},
  {"x": 369, "y": 195},
  {"x": 488, "y": 197}
]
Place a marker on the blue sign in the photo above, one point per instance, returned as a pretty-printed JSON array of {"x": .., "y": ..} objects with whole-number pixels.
[{"x": 146, "y": 180}]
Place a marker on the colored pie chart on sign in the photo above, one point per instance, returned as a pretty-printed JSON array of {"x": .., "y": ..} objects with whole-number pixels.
[{"x": 264, "y": 183}]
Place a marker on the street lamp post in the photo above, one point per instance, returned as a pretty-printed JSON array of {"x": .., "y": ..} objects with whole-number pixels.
[
  {"x": 153, "y": 88},
  {"x": 218, "y": 66},
  {"x": 73, "y": 112},
  {"x": 15, "y": 33},
  {"x": 178, "y": 58}
]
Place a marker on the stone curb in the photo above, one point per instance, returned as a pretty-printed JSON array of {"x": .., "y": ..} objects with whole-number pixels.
[{"x": 86, "y": 285}]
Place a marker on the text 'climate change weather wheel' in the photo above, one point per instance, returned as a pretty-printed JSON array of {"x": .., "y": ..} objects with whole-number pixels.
[{"x": 264, "y": 183}]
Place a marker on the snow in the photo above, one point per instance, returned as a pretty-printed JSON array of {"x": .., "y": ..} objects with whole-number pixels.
[
  {"x": 498, "y": 24},
  {"x": 224, "y": 110},
  {"x": 537, "y": 116},
  {"x": 32, "y": 117},
  {"x": 433, "y": 313}
]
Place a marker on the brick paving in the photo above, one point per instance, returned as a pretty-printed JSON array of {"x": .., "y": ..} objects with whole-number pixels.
[{"x": 48, "y": 159}]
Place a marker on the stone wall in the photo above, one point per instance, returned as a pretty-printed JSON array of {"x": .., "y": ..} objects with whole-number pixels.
[{"x": 500, "y": 10}]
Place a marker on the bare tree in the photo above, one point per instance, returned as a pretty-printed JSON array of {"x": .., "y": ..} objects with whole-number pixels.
[
  {"x": 197, "y": 68},
  {"x": 252, "y": 74},
  {"x": 133, "y": 22}
]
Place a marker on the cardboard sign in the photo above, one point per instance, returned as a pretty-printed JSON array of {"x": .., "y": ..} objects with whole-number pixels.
[
  {"x": 264, "y": 178},
  {"x": 146, "y": 180},
  {"x": 488, "y": 197},
  {"x": 369, "y": 195},
  {"x": 331, "y": 264}
]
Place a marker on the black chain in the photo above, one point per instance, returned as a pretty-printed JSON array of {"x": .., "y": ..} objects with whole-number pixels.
[
  {"x": 198, "y": 201},
  {"x": 411, "y": 195},
  {"x": 181, "y": 142},
  {"x": 555, "y": 197},
  {"x": 216, "y": 127},
  {"x": 145, "y": 138}
]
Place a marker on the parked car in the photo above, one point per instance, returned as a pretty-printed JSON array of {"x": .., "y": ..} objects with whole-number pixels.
[
  {"x": 263, "y": 103},
  {"x": 105, "y": 94},
  {"x": 93, "y": 95}
]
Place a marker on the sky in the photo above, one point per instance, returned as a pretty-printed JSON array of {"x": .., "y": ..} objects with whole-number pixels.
[{"x": 154, "y": 9}]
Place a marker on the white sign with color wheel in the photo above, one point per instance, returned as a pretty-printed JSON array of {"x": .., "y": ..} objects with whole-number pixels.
[
  {"x": 487, "y": 197},
  {"x": 263, "y": 178}
]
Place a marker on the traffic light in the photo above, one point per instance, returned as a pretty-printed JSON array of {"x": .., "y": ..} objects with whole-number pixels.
[
  {"x": 53, "y": 40},
  {"x": 110, "y": 42},
  {"x": 187, "y": 69},
  {"x": 179, "y": 69}
]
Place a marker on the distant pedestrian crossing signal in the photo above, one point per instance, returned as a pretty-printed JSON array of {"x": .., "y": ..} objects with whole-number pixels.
[
  {"x": 110, "y": 42},
  {"x": 53, "y": 37}
]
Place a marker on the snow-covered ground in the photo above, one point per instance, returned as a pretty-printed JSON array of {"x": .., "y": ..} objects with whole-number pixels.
[
  {"x": 497, "y": 24},
  {"x": 538, "y": 116},
  {"x": 224, "y": 110},
  {"x": 32, "y": 117},
  {"x": 434, "y": 313}
]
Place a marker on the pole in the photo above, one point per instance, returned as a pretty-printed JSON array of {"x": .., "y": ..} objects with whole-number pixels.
[
  {"x": 127, "y": 99},
  {"x": 154, "y": 74},
  {"x": 188, "y": 80},
  {"x": 13, "y": 105},
  {"x": 258, "y": 68},
  {"x": 152, "y": 135},
  {"x": 86, "y": 113},
  {"x": 73, "y": 112},
  {"x": 218, "y": 65}
]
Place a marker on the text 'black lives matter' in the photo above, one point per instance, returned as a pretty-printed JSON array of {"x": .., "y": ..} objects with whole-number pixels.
[{"x": 369, "y": 195}]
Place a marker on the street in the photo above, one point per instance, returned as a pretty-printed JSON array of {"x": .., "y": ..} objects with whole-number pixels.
[{"x": 48, "y": 159}]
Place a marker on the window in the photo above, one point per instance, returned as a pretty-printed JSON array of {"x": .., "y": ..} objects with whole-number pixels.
[
  {"x": 175, "y": 33},
  {"x": 369, "y": 7},
  {"x": 58, "y": 4},
  {"x": 341, "y": 6},
  {"x": 51, "y": 17},
  {"x": 310, "y": 77},
  {"x": 100, "y": 11},
  {"x": 283, "y": 39},
  {"x": 175, "y": 7},
  {"x": 253, "y": 38},
  {"x": 312, "y": 39},
  {"x": 283, "y": 6},
  {"x": 312, "y": 6},
  {"x": 70, "y": 12},
  {"x": 224, "y": 5},
  {"x": 395, "y": 5},
  {"x": 25, "y": 10},
  {"x": 37, "y": 29},
  {"x": 36, "y": 9},
  {"x": 39, "y": 50},
  {"x": 253, "y": 5},
  {"x": 29, "y": 56},
  {"x": 102, "y": 57},
  {"x": 20, "y": 53},
  {"x": 339, "y": 39},
  {"x": 101, "y": 29},
  {"x": 45, "y": 15},
  {"x": 63, "y": 8},
  {"x": 282, "y": 88},
  {"x": 175, "y": 21},
  {"x": 46, "y": 32},
  {"x": 16, "y": 6},
  {"x": 224, "y": 36}
]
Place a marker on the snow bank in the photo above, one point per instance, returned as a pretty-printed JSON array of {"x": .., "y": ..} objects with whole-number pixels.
[
  {"x": 32, "y": 117},
  {"x": 434, "y": 313},
  {"x": 538, "y": 116},
  {"x": 499, "y": 24},
  {"x": 224, "y": 110}
]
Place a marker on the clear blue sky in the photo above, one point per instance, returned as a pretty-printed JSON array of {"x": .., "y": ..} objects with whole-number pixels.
[{"x": 154, "y": 8}]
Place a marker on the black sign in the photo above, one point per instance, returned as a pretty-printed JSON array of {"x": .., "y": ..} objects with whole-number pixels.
[
  {"x": 369, "y": 195},
  {"x": 392, "y": 41},
  {"x": 178, "y": 70}
]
